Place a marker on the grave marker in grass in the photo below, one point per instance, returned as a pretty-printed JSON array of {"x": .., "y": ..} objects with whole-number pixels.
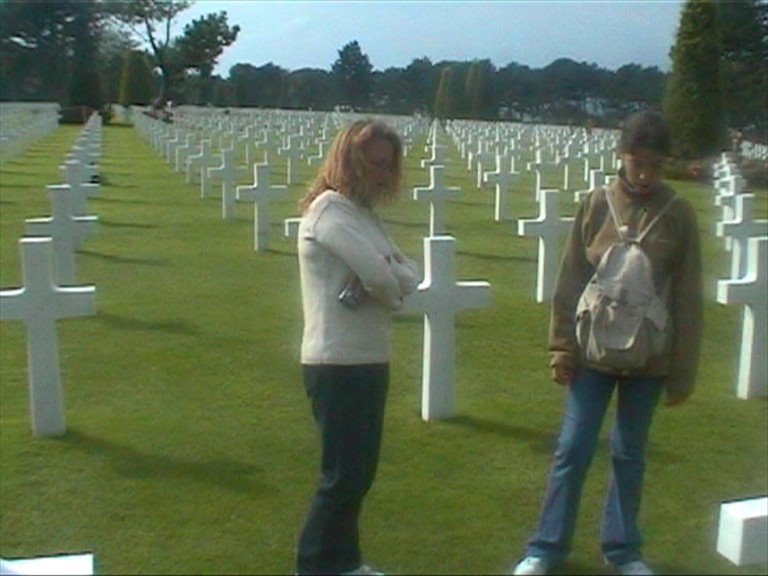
[
  {"x": 39, "y": 304},
  {"x": 261, "y": 192},
  {"x": 439, "y": 297},
  {"x": 549, "y": 228}
]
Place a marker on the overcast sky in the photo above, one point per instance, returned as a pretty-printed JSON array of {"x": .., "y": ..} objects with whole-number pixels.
[{"x": 294, "y": 35}]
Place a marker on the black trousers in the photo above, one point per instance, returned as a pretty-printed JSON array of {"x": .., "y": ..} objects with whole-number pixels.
[{"x": 348, "y": 406}]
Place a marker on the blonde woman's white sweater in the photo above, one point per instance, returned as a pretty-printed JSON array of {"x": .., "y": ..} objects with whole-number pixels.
[{"x": 338, "y": 240}]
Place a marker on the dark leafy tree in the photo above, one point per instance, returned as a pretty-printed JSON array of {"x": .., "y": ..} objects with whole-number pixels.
[
  {"x": 85, "y": 87},
  {"x": 744, "y": 51},
  {"x": 264, "y": 87},
  {"x": 693, "y": 98},
  {"x": 354, "y": 74},
  {"x": 151, "y": 21},
  {"x": 390, "y": 92},
  {"x": 479, "y": 90},
  {"x": 420, "y": 81},
  {"x": 37, "y": 45},
  {"x": 312, "y": 89},
  {"x": 444, "y": 99},
  {"x": 200, "y": 46}
]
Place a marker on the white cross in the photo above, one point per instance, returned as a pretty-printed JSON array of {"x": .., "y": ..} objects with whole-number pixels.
[
  {"x": 66, "y": 231},
  {"x": 502, "y": 177},
  {"x": 740, "y": 229},
  {"x": 318, "y": 158},
  {"x": 597, "y": 179},
  {"x": 229, "y": 174},
  {"x": 182, "y": 152},
  {"x": 294, "y": 152},
  {"x": 537, "y": 166},
  {"x": 438, "y": 157},
  {"x": 291, "y": 226},
  {"x": 752, "y": 292},
  {"x": 549, "y": 227},
  {"x": 77, "y": 180},
  {"x": 439, "y": 297},
  {"x": 260, "y": 193},
  {"x": 87, "y": 158},
  {"x": 436, "y": 194},
  {"x": 39, "y": 304},
  {"x": 198, "y": 164}
]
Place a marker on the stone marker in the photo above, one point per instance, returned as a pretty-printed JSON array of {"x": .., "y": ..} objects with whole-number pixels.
[
  {"x": 260, "y": 193},
  {"x": 67, "y": 232},
  {"x": 502, "y": 177},
  {"x": 61, "y": 565},
  {"x": 740, "y": 229},
  {"x": 291, "y": 227},
  {"x": 752, "y": 292},
  {"x": 439, "y": 297},
  {"x": 742, "y": 534},
  {"x": 228, "y": 173},
  {"x": 76, "y": 178},
  {"x": 437, "y": 193},
  {"x": 39, "y": 304},
  {"x": 549, "y": 227}
]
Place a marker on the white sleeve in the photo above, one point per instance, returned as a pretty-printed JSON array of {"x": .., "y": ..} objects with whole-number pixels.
[
  {"x": 405, "y": 270},
  {"x": 339, "y": 230}
]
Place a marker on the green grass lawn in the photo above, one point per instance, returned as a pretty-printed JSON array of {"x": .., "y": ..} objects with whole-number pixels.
[{"x": 190, "y": 445}]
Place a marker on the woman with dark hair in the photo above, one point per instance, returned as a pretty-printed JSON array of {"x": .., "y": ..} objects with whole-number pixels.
[
  {"x": 664, "y": 226},
  {"x": 352, "y": 277}
]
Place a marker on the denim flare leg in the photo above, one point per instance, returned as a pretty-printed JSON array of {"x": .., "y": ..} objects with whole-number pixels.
[
  {"x": 348, "y": 406},
  {"x": 586, "y": 401}
]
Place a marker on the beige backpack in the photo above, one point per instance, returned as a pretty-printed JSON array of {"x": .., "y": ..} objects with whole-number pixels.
[{"x": 621, "y": 321}]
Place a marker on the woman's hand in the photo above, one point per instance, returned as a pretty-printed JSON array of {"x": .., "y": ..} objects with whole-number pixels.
[{"x": 562, "y": 374}]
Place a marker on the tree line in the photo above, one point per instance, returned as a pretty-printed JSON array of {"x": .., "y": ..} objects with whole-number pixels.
[{"x": 99, "y": 52}]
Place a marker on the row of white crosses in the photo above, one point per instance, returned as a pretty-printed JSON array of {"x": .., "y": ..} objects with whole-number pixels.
[
  {"x": 439, "y": 297},
  {"x": 209, "y": 166},
  {"x": 50, "y": 292},
  {"x": 747, "y": 240},
  {"x": 743, "y": 524},
  {"x": 24, "y": 123}
]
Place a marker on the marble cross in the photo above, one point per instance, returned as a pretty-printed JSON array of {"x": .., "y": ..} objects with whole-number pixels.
[
  {"x": 66, "y": 231},
  {"x": 437, "y": 193},
  {"x": 39, "y": 304},
  {"x": 549, "y": 227},
  {"x": 439, "y": 297},
  {"x": 502, "y": 177},
  {"x": 740, "y": 229},
  {"x": 228, "y": 173},
  {"x": 261, "y": 192},
  {"x": 752, "y": 292}
]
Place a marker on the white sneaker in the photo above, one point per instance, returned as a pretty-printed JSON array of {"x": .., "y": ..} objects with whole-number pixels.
[
  {"x": 363, "y": 570},
  {"x": 532, "y": 565},
  {"x": 635, "y": 568}
]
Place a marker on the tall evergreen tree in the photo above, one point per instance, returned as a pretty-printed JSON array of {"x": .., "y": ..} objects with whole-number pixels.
[
  {"x": 354, "y": 73},
  {"x": 444, "y": 104},
  {"x": 744, "y": 36},
  {"x": 137, "y": 85},
  {"x": 693, "y": 97}
]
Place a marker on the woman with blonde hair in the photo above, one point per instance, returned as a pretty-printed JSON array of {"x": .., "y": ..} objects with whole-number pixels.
[{"x": 352, "y": 277}]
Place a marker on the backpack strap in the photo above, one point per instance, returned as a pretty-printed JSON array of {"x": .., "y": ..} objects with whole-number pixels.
[{"x": 620, "y": 228}]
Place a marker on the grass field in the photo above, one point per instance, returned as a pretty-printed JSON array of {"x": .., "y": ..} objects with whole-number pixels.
[{"x": 190, "y": 445}]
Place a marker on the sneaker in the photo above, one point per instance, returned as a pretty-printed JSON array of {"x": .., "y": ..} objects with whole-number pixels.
[
  {"x": 363, "y": 570},
  {"x": 635, "y": 568},
  {"x": 531, "y": 565}
]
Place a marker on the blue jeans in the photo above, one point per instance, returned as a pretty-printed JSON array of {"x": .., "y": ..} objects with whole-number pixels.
[
  {"x": 348, "y": 406},
  {"x": 586, "y": 402}
]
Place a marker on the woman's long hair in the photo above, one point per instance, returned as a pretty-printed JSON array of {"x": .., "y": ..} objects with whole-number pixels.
[{"x": 344, "y": 169}]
